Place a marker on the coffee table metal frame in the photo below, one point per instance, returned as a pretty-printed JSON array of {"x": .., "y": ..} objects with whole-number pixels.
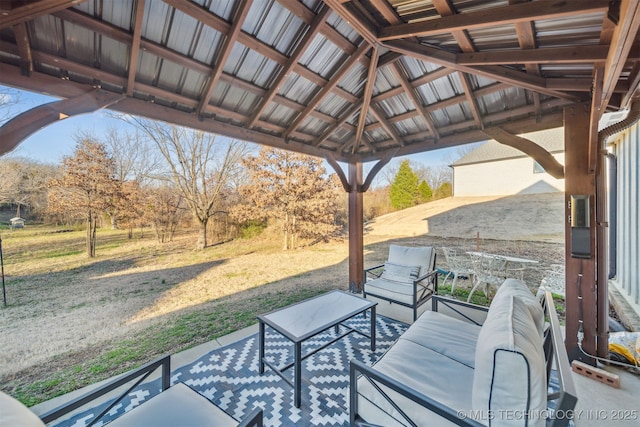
[{"x": 335, "y": 321}]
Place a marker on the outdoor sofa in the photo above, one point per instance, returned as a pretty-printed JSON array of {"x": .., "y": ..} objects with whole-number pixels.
[
  {"x": 462, "y": 364},
  {"x": 175, "y": 405}
]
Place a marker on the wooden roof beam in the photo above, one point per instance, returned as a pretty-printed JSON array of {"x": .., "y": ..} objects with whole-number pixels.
[
  {"x": 229, "y": 40},
  {"x": 525, "y": 12},
  {"x": 32, "y": 10},
  {"x": 366, "y": 97},
  {"x": 135, "y": 47},
  {"x": 622, "y": 40},
  {"x": 20, "y": 127},
  {"x": 24, "y": 48},
  {"x": 501, "y": 74},
  {"x": 533, "y": 56},
  {"x": 526, "y": 34},
  {"x": 362, "y": 27}
]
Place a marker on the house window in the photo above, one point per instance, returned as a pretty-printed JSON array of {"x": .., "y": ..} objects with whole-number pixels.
[{"x": 537, "y": 167}]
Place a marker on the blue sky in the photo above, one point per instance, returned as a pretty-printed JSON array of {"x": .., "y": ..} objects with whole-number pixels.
[{"x": 50, "y": 144}]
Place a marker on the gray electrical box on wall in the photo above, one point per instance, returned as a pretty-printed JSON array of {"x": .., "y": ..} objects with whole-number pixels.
[{"x": 580, "y": 231}]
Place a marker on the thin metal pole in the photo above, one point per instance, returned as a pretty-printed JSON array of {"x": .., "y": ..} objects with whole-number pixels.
[{"x": 4, "y": 293}]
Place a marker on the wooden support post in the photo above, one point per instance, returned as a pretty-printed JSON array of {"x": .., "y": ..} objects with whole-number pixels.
[
  {"x": 356, "y": 228},
  {"x": 580, "y": 280}
]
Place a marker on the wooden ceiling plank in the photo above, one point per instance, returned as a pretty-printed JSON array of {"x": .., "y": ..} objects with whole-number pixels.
[
  {"x": 542, "y": 9},
  {"x": 387, "y": 11},
  {"x": 32, "y": 10},
  {"x": 311, "y": 33},
  {"x": 366, "y": 97},
  {"x": 230, "y": 39},
  {"x": 501, "y": 74},
  {"x": 135, "y": 47},
  {"x": 415, "y": 99},
  {"x": 624, "y": 36},
  {"x": 559, "y": 55},
  {"x": 342, "y": 71},
  {"x": 24, "y": 48}
]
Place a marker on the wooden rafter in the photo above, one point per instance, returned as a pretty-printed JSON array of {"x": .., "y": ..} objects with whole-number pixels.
[
  {"x": 346, "y": 116},
  {"x": 471, "y": 100},
  {"x": 135, "y": 47},
  {"x": 32, "y": 10},
  {"x": 501, "y": 74},
  {"x": 344, "y": 69},
  {"x": 624, "y": 35},
  {"x": 388, "y": 127},
  {"x": 366, "y": 97},
  {"x": 533, "y": 56},
  {"x": 24, "y": 48},
  {"x": 525, "y": 12},
  {"x": 363, "y": 28},
  {"x": 313, "y": 30},
  {"x": 227, "y": 45}
]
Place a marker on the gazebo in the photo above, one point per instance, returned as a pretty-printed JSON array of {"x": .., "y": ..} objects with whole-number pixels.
[{"x": 354, "y": 81}]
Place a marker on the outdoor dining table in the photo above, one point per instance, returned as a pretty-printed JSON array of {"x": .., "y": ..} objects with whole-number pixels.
[{"x": 509, "y": 261}]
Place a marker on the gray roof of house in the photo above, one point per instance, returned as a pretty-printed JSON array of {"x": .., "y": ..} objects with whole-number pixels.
[{"x": 551, "y": 140}]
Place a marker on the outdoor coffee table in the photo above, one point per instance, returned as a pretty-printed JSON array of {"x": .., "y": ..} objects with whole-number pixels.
[{"x": 306, "y": 319}]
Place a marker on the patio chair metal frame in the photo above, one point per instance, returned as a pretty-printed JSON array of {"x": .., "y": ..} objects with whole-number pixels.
[
  {"x": 455, "y": 266},
  {"x": 254, "y": 419},
  {"x": 427, "y": 282}
]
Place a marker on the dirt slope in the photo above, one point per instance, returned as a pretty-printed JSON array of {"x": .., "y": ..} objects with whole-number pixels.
[{"x": 531, "y": 217}]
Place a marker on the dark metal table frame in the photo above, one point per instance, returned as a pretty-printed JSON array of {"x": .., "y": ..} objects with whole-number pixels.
[{"x": 335, "y": 322}]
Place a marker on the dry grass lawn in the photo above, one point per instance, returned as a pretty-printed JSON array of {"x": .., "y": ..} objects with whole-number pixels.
[{"x": 63, "y": 306}]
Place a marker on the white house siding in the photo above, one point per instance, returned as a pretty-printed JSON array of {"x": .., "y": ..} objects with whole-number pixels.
[
  {"x": 504, "y": 177},
  {"x": 627, "y": 280}
]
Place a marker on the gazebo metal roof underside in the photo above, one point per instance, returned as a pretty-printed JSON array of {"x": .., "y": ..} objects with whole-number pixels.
[{"x": 350, "y": 81}]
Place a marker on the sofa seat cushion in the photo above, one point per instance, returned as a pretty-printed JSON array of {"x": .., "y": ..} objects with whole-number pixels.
[
  {"x": 396, "y": 291},
  {"x": 510, "y": 373},
  {"x": 453, "y": 338},
  {"x": 424, "y": 370}
]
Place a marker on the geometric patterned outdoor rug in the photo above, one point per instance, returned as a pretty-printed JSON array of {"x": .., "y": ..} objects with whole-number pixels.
[{"x": 229, "y": 377}]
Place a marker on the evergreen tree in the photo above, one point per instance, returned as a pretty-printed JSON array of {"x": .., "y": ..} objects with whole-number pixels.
[
  {"x": 404, "y": 188},
  {"x": 425, "y": 192}
]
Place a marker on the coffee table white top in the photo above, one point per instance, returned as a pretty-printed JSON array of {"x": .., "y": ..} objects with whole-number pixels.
[{"x": 307, "y": 318}]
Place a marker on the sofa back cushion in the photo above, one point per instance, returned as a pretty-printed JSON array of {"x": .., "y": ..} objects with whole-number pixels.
[
  {"x": 518, "y": 289},
  {"x": 423, "y": 256},
  {"x": 509, "y": 380}
]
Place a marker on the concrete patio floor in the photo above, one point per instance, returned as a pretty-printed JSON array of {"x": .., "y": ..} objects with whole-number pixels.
[{"x": 598, "y": 404}]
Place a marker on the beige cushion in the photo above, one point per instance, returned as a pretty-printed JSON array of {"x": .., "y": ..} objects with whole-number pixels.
[
  {"x": 422, "y": 256},
  {"x": 179, "y": 405},
  {"x": 517, "y": 288},
  {"x": 400, "y": 273},
  {"x": 13, "y": 413},
  {"x": 510, "y": 372}
]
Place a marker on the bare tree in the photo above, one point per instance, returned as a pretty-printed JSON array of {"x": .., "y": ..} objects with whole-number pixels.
[
  {"x": 87, "y": 187},
  {"x": 295, "y": 190},
  {"x": 164, "y": 209},
  {"x": 201, "y": 166},
  {"x": 9, "y": 99},
  {"x": 24, "y": 183}
]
